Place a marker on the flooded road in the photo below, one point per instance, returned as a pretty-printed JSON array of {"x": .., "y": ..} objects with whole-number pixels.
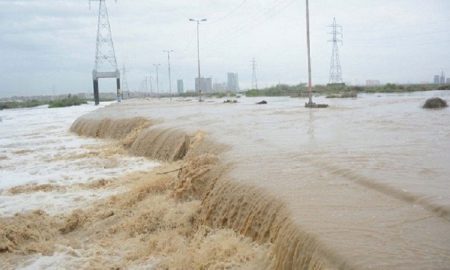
[{"x": 367, "y": 177}]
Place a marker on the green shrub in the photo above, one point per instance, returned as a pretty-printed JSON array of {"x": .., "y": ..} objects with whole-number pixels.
[
  {"x": 67, "y": 102},
  {"x": 21, "y": 104}
]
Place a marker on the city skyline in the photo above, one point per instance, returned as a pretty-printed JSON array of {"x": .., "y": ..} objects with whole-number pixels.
[{"x": 49, "y": 47}]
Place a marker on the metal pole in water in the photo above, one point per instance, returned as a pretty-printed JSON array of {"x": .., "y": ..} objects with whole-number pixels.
[{"x": 309, "y": 54}]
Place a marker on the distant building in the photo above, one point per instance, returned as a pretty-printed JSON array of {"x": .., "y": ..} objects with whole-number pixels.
[
  {"x": 219, "y": 87},
  {"x": 204, "y": 83},
  {"x": 436, "y": 79},
  {"x": 180, "y": 86},
  {"x": 233, "y": 82},
  {"x": 442, "y": 78},
  {"x": 448, "y": 81},
  {"x": 372, "y": 82}
]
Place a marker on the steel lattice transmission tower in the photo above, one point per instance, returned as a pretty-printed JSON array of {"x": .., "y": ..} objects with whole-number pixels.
[
  {"x": 105, "y": 57},
  {"x": 335, "y": 65},
  {"x": 254, "y": 78}
]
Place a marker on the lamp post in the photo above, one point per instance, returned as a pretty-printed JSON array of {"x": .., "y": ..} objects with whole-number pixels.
[
  {"x": 198, "y": 21},
  {"x": 170, "y": 75},
  {"x": 309, "y": 55},
  {"x": 157, "y": 79}
]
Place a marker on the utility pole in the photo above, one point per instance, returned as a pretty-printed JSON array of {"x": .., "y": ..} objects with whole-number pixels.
[
  {"x": 310, "y": 103},
  {"x": 143, "y": 85},
  {"x": 198, "y": 21},
  {"x": 254, "y": 79},
  {"x": 145, "y": 90},
  {"x": 157, "y": 78},
  {"x": 125, "y": 82},
  {"x": 335, "y": 65},
  {"x": 151, "y": 85},
  {"x": 170, "y": 76}
]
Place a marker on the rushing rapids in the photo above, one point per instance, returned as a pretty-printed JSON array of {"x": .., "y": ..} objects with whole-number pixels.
[{"x": 224, "y": 204}]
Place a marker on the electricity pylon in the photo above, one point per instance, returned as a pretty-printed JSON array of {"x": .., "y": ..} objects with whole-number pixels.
[
  {"x": 335, "y": 65},
  {"x": 105, "y": 56}
]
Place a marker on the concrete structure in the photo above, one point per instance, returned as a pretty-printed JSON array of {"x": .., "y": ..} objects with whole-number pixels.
[
  {"x": 180, "y": 86},
  {"x": 232, "y": 82},
  {"x": 372, "y": 82},
  {"x": 205, "y": 85}
]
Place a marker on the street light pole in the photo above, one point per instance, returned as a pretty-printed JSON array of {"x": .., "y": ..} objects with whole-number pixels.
[
  {"x": 170, "y": 75},
  {"x": 198, "y": 56},
  {"x": 157, "y": 78},
  {"x": 151, "y": 85},
  {"x": 309, "y": 54}
]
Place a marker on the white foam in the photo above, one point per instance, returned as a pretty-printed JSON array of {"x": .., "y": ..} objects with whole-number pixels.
[
  {"x": 36, "y": 147},
  {"x": 51, "y": 202},
  {"x": 69, "y": 258}
]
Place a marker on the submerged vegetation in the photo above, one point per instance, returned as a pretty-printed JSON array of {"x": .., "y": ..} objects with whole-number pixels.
[{"x": 67, "y": 102}]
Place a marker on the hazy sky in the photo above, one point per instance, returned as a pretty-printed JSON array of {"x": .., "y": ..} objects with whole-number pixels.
[{"x": 49, "y": 45}]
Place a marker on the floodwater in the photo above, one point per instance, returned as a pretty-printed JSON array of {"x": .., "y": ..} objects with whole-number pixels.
[
  {"x": 368, "y": 177},
  {"x": 49, "y": 164},
  {"x": 71, "y": 202}
]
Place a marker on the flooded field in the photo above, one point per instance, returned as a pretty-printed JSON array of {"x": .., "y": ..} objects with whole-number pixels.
[{"x": 363, "y": 184}]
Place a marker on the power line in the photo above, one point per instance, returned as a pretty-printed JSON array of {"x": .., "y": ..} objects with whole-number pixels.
[
  {"x": 240, "y": 27},
  {"x": 231, "y": 12}
]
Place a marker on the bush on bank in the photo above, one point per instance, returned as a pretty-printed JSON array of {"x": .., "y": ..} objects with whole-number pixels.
[
  {"x": 21, "y": 104},
  {"x": 67, "y": 102}
]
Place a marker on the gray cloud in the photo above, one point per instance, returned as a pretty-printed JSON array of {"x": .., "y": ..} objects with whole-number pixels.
[{"x": 51, "y": 43}]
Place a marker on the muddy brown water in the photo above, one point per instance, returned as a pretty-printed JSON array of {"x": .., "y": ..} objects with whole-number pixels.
[{"x": 367, "y": 178}]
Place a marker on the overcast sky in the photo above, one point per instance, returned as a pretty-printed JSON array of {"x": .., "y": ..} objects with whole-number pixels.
[{"x": 48, "y": 46}]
